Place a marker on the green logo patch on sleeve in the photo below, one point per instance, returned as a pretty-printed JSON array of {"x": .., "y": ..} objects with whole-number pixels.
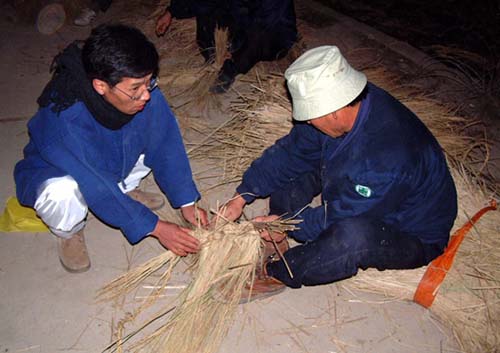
[{"x": 364, "y": 191}]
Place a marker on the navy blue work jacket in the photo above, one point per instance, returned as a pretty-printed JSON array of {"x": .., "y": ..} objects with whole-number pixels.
[{"x": 389, "y": 167}]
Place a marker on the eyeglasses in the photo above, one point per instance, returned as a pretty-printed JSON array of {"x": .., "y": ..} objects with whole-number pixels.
[{"x": 153, "y": 83}]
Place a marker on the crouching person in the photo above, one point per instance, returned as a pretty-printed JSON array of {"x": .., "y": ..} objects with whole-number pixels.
[
  {"x": 102, "y": 127},
  {"x": 388, "y": 199}
]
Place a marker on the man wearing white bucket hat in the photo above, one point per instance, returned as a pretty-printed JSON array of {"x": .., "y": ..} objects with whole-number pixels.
[{"x": 388, "y": 199}]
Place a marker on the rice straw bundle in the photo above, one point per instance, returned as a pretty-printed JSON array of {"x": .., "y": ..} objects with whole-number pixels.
[
  {"x": 224, "y": 266},
  {"x": 130, "y": 280}
]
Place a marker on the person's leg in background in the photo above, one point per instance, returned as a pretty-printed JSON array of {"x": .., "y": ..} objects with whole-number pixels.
[
  {"x": 248, "y": 48},
  {"x": 205, "y": 27}
]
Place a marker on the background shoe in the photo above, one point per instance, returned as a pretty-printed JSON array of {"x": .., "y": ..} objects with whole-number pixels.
[
  {"x": 85, "y": 17},
  {"x": 73, "y": 253},
  {"x": 222, "y": 84},
  {"x": 151, "y": 200}
]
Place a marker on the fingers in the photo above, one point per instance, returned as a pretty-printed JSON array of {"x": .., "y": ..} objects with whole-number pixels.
[
  {"x": 233, "y": 209},
  {"x": 277, "y": 237},
  {"x": 195, "y": 215},
  {"x": 160, "y": 29},
  {"x": 187, "y": 242},
  {"x": 203, "y": 217},
  {"x": 264, "y": 234},
  {"x": 175, "y": 238},
  {"x": 163, "y": 23},
  {"x": 269, "y": 218}
]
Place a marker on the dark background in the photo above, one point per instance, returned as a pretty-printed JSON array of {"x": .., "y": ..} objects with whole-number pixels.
[{"x": 471, "y": 25}]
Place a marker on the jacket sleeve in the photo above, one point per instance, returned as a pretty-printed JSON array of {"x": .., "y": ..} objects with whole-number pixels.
[
  {"x": 371, "y": 194},
  {"x": 167, "y": 157},
  {"x": 297, "y": 153},
  {"x": 100, "y": 191}
]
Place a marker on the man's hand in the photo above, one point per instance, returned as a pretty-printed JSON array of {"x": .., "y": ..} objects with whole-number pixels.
[
  {"x": 175, "y": 238},
  {"x": 163, "y": 23},
  {"x": 195, "y": 215},
  {"x": 232, "y": 210},
  {"x": 264, "y": 234}
]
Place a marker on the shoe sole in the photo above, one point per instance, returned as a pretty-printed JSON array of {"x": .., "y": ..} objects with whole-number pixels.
[
  {"x": 72, "y": 270},
  {"x": 260, "y": 296}
]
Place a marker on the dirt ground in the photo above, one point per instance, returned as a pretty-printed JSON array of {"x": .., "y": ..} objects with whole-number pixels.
[{"x": 45, "y": 309}]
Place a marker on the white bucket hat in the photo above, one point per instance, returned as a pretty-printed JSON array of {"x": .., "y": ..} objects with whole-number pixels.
[{"x": 321, "y": 81}]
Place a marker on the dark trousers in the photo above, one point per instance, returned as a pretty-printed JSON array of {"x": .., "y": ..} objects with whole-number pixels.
[
  {"x": 248, "y": 46},
  {"x": 101, "y": 5},
  {"x": 344, "y": 247}
]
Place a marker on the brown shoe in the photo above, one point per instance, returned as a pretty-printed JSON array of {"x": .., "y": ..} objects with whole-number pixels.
[
  {"x": 269, "y": 251},
  {"x": 73, "y": 253},
  {"x": 262, "y": 287},
  {"x": 151, "y": 200}
]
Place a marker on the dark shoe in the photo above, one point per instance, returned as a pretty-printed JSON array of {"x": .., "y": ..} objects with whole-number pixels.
[
  {"x": 149, "y": 199},
  {"x": 73, "y": 253},
  {"x": 221, "y": 85}
]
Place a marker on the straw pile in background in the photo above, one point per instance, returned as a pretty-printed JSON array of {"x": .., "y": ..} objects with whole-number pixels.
[
  {"x": 461, "y": 145},
  {"x": 468, "y": 300},
  {"x": 187, "y": 83},
  {"x": 258, "y": 118}
]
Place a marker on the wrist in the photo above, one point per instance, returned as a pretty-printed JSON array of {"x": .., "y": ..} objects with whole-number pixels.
[{"x": 239, "y": 201}]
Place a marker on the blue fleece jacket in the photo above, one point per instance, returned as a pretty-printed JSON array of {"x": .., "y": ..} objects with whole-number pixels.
[
  {"x": 74, "y": 143},
  {"x": 389, "y": 166}
]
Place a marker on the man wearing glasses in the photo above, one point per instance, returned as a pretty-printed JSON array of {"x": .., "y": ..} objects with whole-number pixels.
[{"x": 102, "y": 127}]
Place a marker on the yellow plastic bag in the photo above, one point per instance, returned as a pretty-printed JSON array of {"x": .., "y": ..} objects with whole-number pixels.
[{"x": 17, "y": 218}]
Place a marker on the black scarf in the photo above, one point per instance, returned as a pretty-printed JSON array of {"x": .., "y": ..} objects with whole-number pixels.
[{"x": 70, "y": 84}]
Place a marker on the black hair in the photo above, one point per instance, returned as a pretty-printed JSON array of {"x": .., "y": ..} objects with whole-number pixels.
[
  {"x": 113, "y": 52},
  {"x": 360, "y": 97}
]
